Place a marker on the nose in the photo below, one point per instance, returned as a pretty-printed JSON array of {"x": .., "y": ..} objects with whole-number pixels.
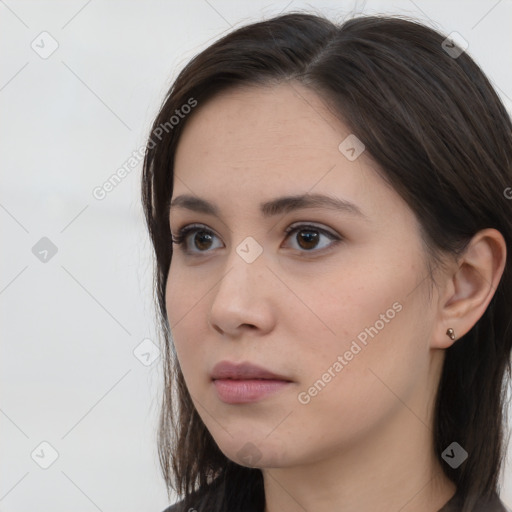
[{"x": 244, "y": 298}]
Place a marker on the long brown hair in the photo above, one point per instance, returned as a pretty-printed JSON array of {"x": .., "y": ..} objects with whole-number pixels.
[{"x": 441, "y": 137}]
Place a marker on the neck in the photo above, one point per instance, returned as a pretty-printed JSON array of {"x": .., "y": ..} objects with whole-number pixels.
[{"x": 362, "y": 478}]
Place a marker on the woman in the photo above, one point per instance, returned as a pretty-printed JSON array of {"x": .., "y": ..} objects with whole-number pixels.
[{"x": 335, "y": 202}]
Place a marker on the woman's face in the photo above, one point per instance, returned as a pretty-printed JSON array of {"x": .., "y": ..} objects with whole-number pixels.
[{"x": 339, "y": 308}]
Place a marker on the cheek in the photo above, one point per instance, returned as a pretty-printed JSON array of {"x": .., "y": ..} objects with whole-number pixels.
[
  {"x": 363, "y": 329},
  {"x": 183, "y": 305},
  {"x": 184, "y": 294},
  {"x": 343, "y": 307},
  {"x": 349, "y": 399}
]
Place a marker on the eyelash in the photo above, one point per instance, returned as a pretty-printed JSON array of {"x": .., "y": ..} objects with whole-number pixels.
[{"x": 185, "y": 231}]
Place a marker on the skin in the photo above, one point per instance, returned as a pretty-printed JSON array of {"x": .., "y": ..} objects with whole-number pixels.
[{"x": 365, "y": 441}]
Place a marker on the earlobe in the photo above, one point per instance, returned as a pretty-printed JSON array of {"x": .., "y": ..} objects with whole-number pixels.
[{"x": 471, "y": 287}]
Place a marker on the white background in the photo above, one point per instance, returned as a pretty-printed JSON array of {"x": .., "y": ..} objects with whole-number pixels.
[{"x": 69, "y": 326}]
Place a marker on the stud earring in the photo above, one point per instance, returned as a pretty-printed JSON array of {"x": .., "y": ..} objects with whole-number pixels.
[{"x": 450, "y": 332}]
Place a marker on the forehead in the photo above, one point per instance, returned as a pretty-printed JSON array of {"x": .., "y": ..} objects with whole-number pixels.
[
  {"x": 278, "y": 131},
  {"x": 252, "y": 143},
  {"x": 260, "y": 123}
]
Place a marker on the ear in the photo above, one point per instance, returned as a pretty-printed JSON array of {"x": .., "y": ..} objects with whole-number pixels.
[{"x": 470, "y": 286}]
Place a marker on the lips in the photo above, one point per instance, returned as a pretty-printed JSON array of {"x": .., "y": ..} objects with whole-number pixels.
[{"x": 244, "y": 371}]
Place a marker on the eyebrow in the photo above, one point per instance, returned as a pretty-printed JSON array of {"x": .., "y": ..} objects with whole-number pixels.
[{"x": 274, "y": 207}]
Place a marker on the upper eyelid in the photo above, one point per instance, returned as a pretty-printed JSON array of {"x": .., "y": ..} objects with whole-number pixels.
[{"x": 294, "y": 225}]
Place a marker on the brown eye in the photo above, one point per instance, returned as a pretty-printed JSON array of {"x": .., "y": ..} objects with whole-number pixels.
[
  {"x": 308, "y": 238},
  {"x": 202, "y": 240}
]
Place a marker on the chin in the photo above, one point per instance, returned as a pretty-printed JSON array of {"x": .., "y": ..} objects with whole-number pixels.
[{"x": 256, "y": 451}]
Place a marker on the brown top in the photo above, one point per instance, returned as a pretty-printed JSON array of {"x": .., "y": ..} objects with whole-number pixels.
[{"x": 453, "y": 505}]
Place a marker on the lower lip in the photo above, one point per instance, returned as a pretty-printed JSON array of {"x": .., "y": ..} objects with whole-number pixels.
[{"x": 245, "y": 391}]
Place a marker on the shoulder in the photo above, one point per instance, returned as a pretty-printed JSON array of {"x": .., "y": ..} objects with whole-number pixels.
[
  {"x": 215, "y": 497},
  {"x": 494, "y": 504},
  {"x": 499, "y": 506},
  {"x": 177, "y": 507},
  {"x": 205, "y": 498}
]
